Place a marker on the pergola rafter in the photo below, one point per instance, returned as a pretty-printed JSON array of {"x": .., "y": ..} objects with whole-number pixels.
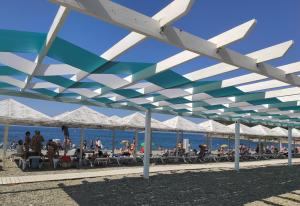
[{"x": 266, "y": 94}]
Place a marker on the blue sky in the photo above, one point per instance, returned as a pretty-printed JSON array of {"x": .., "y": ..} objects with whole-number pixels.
[{"x": 277, "y": 21}]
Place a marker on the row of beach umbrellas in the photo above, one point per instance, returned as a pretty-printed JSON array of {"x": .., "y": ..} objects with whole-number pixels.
[{"x": 16, "y": 113}]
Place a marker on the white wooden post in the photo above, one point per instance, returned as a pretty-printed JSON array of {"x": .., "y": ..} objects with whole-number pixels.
[
  {"x": 237, "y": 146},
  {"x": 259, "y": 146},
  {"x": 280, "y": 144},
  {"x": 81, "y": 145},
  {"x": 177, "y": 141},
  {"x": 136, "y": 137},
  {"x": 5, "y": 144},
  {"x": 113, "y": 139},
  {"x": 290, "y": 146},
  {"x": 147, "y": 142}
]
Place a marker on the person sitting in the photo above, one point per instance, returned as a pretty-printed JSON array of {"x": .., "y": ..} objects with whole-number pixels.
[
  {"x": 36, "y": 143},
  {"x": 27, "y": 142},
  {"x": 20, "y": 147},
  {"x": 202, "y": 150},
  {"x": 52, "y": 152}
]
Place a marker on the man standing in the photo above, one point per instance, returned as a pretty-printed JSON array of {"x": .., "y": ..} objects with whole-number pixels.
[{"x": 36, "y": 142}]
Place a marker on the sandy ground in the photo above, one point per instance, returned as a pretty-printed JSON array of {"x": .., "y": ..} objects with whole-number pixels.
[{"x": 276, "y": 185}]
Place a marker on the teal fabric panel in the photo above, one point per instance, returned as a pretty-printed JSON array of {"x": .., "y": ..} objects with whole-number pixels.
[
  {"x": 6, "y": 70},
  {"x": 125, "y": 68},
  {"x": 21, "y": 41},
  {"x": 265, "y": 101},
  {"x": 213, "y": 107},
  {"x": 178, "y": 100},
  {"x": 46, "y": 92},
  {"x": 87, "y": 85},
  {"x": 224, "y": 92},
  {"x": 168, "y": 79},
  {"x": 129, "y": 93},
  {"x": 6, "y": 85},
  {"x": 76, "y": 56},
  {"x": 59, "y": 80},
  {"x": 103, "y": 100}
]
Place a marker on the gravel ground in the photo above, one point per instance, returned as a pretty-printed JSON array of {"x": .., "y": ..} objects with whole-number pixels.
[{"x": 276, "y": 185}]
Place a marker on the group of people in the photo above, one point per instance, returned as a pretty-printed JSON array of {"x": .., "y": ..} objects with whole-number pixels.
[{"x": 32, "y": 146}]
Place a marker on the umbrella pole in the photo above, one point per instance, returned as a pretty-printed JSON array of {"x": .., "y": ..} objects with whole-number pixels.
[
  {"x": 81, "y": 145},
  {"x": 259, "y": 146},
  {"x": 177, "y": 141},
  {"x": 5, "y": 143},
  {"x": 290, "y": 146},
  {"x": 228, "y": 142},
  {"x": 136, "y": 137},
  {"x": 113, "y": 139},
  {"x": 237, "y": 146},
  {"x": 147, "y": 142}
]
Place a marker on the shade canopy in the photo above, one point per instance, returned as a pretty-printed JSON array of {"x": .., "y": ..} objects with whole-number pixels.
[
  {"x": 13, "y": 112},
  {"x": 83, "y": 77},
  {"x": 179, "y": 123},
  {"x": 296, "y": 133},
  {"x": 84, "y": 117},
  {"x": 246, "y": 131},
  {"x": 211, "y": 126},
  {"x": 281, "y": 132},
  {"x": 137, "y": 120},
  {"x": 264, "y": 131}
]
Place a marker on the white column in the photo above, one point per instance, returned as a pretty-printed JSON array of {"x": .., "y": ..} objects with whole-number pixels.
[
  {"x": 290, "y": 146},
  {"x": 5, "y": 143},
  {"x": 147, "y": 143},
  {"x": 207, "y": 140},
  {"x": 280, "y": 144},
  {"x": 211, "y": 142},
  {"x": 237, "y": 146},
  {"x": 81, "y": 145},
  {"x": 113, "y": 139},
  {"x": 259, "y": 146},
  {"x": 177, "y": 141},
  {"x": 136, "y": 137}
]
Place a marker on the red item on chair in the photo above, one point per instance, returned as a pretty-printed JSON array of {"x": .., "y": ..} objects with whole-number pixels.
[{"x": 66, "y": 158}]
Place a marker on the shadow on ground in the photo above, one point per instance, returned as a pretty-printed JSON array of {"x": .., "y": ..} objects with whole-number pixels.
[{"x": 190, "y": 188}]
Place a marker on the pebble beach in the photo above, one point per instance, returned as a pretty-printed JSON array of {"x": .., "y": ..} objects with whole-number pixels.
[{"x": 272, "y": 185}]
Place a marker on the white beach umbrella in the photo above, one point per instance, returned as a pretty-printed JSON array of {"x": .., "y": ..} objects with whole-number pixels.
[
  {"x": 13, "y": 112},
  {"x": 245, "y": 130},
  {"x": 264, "y": 131},
  {"x": 281, "y": 132},
  {"x": 137, "y": 120},
  {"x": 116, "y": 120},
  {"x": 84, "y": 117},
  {"x": 179, "y": 123},
  {"x": 295, "y": 133},
  {"x": 211, "y": 126}
]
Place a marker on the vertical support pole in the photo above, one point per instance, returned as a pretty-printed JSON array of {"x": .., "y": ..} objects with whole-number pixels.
[
  {"x": 207, "y": 141},
  {"x": 210, "y": 142},
  {"x": 259, "y": 146},
  {"x": 147, "y": 143},
  {"x": 290, "y": 146},
  {"x": 237, "y": 146},
  {"x": 81, "y": 145},
  {"x": 280, "y": 144},
  {"x": 136, "y": 137},
  {"x": 177, "y": 142},
  {"x": 5, "y": 143},
  {"x": 113, "y": 143},
  {"x": 228, "y": 141}
]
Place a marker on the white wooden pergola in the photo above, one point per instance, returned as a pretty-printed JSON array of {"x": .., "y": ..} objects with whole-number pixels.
[{"x": 268, "y": 95}]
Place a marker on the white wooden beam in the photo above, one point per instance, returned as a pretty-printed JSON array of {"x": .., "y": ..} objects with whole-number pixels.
[
  {"x": 56, "y": 25},
  {"x": 167, "y": 15},
  {"x": 117, "y": 14}
]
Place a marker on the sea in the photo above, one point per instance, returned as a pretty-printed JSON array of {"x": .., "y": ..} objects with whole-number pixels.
[{"x": 165, "y": 140}]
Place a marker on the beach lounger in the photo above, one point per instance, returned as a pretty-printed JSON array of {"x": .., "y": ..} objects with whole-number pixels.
[{"x": 101, "y": 161}]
